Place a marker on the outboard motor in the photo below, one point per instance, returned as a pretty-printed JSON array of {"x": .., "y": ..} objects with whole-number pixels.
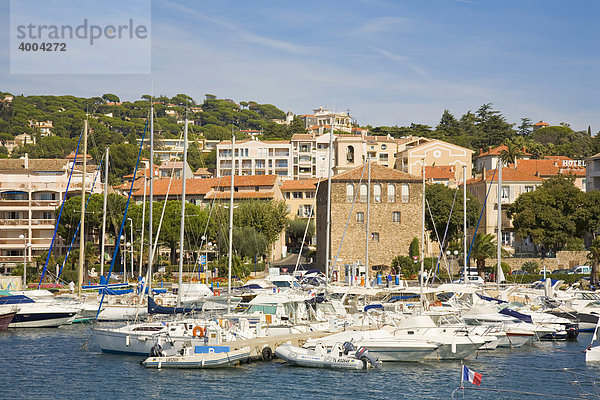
[
  {"x": 366, "y": 357},
  {"x": 348, "y": 347},
  {"x": 572, "y": 331}
]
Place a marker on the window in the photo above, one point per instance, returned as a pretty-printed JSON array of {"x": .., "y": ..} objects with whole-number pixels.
[
  {"x": 350, "y": 154},
  {"x": 377, "y": 192},
  {"x": 297, "y": 195},
  {"x": 405, "y": 193},
  {"x": 375, "y": 236},
  {"x": 506, "y": 238},
  {"x": 47, "y": 215},
  {"x": 360, "y": 217},
  {"x": 309, "y": 195},
  {"x": 287, "y": 195},
  {"x": 396, "y": 216},
  {"x": 256, "y": 189},
  {"x": 505, "y": 193},
  {"x": 383, "y": 156},
  {"x": 528, "y": 189},
  {"x": 391, "y": 193},
  {"x": 363, "y": 192},
  {"x": 349, "y": 193}
]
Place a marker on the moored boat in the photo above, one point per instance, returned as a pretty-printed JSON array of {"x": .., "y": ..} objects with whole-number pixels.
[
  {"x": 339, "y": 357},
  {"x": 195, "y": 357}
]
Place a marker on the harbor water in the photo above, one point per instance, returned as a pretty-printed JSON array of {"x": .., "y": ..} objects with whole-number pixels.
[{"x": 51, "y": 363}]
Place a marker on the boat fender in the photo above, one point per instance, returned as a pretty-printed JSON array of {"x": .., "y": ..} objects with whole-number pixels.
[
  {"x": 267, "y": 354},
  {"x": 198, "y": 331},
  {"x": 217, "y": 293},
  {"x": 159, "y": 301}
]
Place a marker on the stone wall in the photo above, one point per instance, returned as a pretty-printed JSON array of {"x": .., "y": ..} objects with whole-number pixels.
[{"x": 564, "y": 259}]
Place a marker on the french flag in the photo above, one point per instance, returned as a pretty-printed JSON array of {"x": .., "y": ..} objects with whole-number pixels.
[{"x": 471, "y": 376}]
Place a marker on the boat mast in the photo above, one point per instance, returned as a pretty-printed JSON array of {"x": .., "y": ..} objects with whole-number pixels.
[
  {"x": 328, "y": 228},
  {"x": 151, "y": 197},
  {"x": 185, "y": 146},
  {"x": 229, "y": 261},
  {"x": 499, "y": 237},
  {"x": 104, "y": 211},
  {"x": 367, "y": 224},
  {"x": 145, "y": 176},
  {"x": 422, "y": 243},
  {"x": 465, "y": 222},
  {"x": 82, "y": 228}
]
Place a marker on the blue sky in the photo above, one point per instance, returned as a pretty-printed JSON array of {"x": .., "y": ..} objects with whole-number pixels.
[{"x": 389, "y": 62}]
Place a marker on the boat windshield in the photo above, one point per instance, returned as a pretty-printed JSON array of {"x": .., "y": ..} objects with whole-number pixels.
[{"x": 258, "y": 308}]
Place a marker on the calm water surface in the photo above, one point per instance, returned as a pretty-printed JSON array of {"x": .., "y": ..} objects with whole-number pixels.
[{"x": 50, "y": 363}]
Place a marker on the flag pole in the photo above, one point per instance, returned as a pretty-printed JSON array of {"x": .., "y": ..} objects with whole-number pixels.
[{"x": 462, "y": 374}]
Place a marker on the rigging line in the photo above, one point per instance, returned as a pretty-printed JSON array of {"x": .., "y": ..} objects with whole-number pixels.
[
  {"x": 348, "y": 220},
  {"x": 62, "y": 206},
  {"x": 480, "y": 215},
  {"x": 437, "y": 236},
  {"x": 207, "y": 224},
  {"x": 118, "y": 238},
  {"x": 313, "y": 214},
  {"x": 79, "y": 224}
]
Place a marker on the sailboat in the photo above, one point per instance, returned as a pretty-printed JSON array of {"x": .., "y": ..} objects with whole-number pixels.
[{"x": 592, "y": 353}]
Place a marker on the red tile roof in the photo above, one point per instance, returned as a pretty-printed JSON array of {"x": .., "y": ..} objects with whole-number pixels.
[
  {"x": 508, "y": 175},
  {"x": 240, "y": 195},
  {"x": 378, "y": 173},
  {"x": 541, "y": 123},
  {"x": 302, "y": 184},
  {"x": 547, "y": 167},
  {"x": 496, "y": 151},
  {"x": 302, "y": 136},
  {"x": 439, "y": 172}
]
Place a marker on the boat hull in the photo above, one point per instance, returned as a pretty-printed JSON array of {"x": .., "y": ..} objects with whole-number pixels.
[
  {"x": 5, "y": 320},
  {"x": 41, "y": 319},
  {"x": 206, "y": 360},
  {"x": 309, "y": 358}
]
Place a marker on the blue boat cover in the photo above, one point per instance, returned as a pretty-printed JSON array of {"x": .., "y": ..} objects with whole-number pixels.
[
  {"x": 373, "y": 307},
  {"x": 154, "y": 308},
  {"x": 491, "y": 299},
  {"x": 114, "y": 292},
  {"x": 516, "y": 314},
  {"x": 15, "y": 299}
]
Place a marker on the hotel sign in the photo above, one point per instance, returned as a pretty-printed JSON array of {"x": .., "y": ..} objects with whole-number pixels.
[{"x": 573, "y": 163}]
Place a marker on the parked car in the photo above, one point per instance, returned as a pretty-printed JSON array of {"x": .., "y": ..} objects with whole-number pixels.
[
  {"x": 562, "y": 271},
  {"x": 581, "y": 269},
  {"x": 518, "y": 272},
  {"x": 474, "y": 279}
]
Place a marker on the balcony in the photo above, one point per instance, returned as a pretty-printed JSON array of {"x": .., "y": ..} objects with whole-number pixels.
[
  {"x": 14, "y": 222},
  {"x": 16, "y": 243}
]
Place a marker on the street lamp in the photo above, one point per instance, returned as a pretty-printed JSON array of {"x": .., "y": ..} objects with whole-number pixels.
[
  {"x": 24, "y": 238},
  {"x": 450, "y": 254}
]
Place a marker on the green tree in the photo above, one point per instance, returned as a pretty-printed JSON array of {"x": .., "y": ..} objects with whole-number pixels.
[
  {"x": 109, "y": 97},
  {"x": 484, "y": 246},
  {"x": 294, "y": 231},
  {"x": 414, "y": 250},
  {"x": 511, "y": 154},
  {"x": 531, "y": 267},
  {"x": 405, "y": 265},
  {"x": 594, "y": 257},
  {"x": 525, "y": 127}
]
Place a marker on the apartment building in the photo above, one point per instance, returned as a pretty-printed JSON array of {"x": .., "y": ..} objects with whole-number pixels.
[
  {"x": 320, "y": 121},
  {"x": 592, "y": 172},
  {"x": 299, "y": 195},
  {"x": 172, "y": 149},
  {"x": 310, "y": 155},
  {"x": 254, "y": 157},
  {"x": 30, "y": 192}
]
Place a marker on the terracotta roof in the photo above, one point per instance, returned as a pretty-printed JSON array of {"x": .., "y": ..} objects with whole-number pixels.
[
  {"x": 439, "y": 172},
  {"x": 240, "y": 195},
  {"x": 203, "y": 172},
  {"x": 302, "y": 136},
  {"x": 79, "y": 156},
  {"x": 547, "y": 167},
  {"x": 302, "y": 184},
  {"x": 35, "y": 164},
  {"x": 192, "y": 187},
  {"x": 541, "y": 123},
  {"x": 508, "y": 175},
  {"x": 244, "y": 180},
  {"x": 378, "y": 173},
  {"x": 497, "y": 150},
  {"x": 171, "y": 164}
]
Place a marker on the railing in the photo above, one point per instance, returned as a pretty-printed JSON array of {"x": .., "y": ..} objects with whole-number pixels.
[
  {"x": 13, "y": 222},
  {"x": 16, "y": 242}
]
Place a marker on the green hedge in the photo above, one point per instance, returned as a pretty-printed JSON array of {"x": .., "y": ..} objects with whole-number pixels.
[{"x": 530, "y": 278}]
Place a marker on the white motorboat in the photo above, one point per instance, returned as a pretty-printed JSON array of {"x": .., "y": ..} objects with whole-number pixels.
[
  {"x": 39, "y": 314},
  {"x": 338, "y": 357},
  {"x": 196, "y": 357},
  {"x": 381, "y": 343},
  {"x": 592, "y": 353}
]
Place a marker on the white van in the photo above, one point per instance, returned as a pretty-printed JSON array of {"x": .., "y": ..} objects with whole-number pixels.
[{"x": 581, "y": 269}]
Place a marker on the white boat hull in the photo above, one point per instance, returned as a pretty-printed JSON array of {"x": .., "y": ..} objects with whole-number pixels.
[
  {"x": 592, "y": 354},
  {"x": 309, "y": 358},
  {"x": 205, "y": 360}
]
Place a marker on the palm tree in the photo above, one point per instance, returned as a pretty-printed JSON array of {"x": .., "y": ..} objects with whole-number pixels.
[
  {"x": 594, "y": 257},
  {"x": 484, "y": 246},
  {"x": 511, "y": 154}
]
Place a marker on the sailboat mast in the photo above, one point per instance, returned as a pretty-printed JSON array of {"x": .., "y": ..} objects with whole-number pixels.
[
  {"x": 422, "y": 242},
  {"x": 145, "y": 176},
  {"x": 229, "y": 260},
  {"x": 499, "y": 237},
  {"x": 82, "y": 228},
  {"x": 104, "y": 211},
  {"x": 185, "y": 147},
  {"x": 465, "y": 222},
  {"x": 367, "y": 224},
  {"x": 328, "y": 228},
  {"x": 151, "y": 198}
]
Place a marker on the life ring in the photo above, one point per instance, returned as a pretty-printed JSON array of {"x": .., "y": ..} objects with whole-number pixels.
[
  {"x": 437, "y": 303},
  {"x": 217, "y": 292},
  {"x": 159, "y": 301},
  {"x": 198, "y": 331}
]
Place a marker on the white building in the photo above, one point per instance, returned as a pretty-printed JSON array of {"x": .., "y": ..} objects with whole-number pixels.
[
  {"x": 254, "y": 157},
  {"x": 30, "y": 192},
  {"x": 310, "y": 156}
]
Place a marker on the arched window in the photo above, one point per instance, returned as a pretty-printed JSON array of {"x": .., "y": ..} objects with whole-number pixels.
[
  {"x": 405, "y": 193},
  {"x": 349, "y": 192},
  {"x": 350, "y": 154},
  {"x": 391, "y": 193},
  {"x": 363, "y": 192},
  {"x": 377, "y": 192}
]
